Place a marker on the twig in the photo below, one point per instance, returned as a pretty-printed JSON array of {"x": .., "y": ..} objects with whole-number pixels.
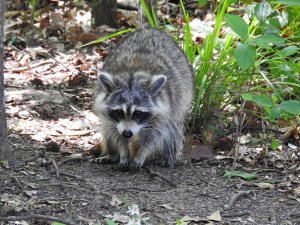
[
  {"x": 156, "y": 174},
  {"x": 126, "y": 7},
  {"x": 236, "y": 197},
  {"x": 68, "y": 175},
  {"x": 19, "y": 69},
  {"x": 56, "y": 168},
  {"x": 137, "y": 189},
  {"x": 37, "y": 154},
  {"x": 245, "y": 129},
  {"x": 196, "y": 172},
  {"x": 36, "y": 216},
  {"x": 49, "y": 55},
  {"x": 18, "y": 182},
  {"x": 74, "y": 159},
  {"x": 236, "y": 214}
]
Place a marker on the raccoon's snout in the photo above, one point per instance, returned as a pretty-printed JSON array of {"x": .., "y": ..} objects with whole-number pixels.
[{"x": 127, "y": 134}]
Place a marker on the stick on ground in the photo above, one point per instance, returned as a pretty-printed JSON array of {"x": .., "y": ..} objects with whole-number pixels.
[{"x": 36, "y": 216}]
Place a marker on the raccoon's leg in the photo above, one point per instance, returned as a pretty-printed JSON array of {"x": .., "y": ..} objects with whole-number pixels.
[
  {"x": 124, "y": 157},
  {"x": 149, "y": 144},
  {"x": 168, "y": 142},
  {"x": 109, "y": 151}
]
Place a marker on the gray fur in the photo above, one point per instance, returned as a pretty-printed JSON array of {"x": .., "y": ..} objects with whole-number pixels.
[{"x": 145, "y": 72}]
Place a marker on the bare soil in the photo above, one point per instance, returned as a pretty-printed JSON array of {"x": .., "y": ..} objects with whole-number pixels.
[
  {"x": 53, "y": 133},
  {"x": 88, "y": 193}
]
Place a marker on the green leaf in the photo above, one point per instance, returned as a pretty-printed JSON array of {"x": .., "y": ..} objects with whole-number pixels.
[
  {"x": 244, "y": 175},
  {"x": 247, "y": 96},
  {"x": 275, "y": 112},
  {"x": 288, "y": 2},
  {"x": 237, "y": 24},
  {"x": 290, "y": 50},
  {"x": 179, "y": 222},
  {"x": 57, "y": 223},
  {"x": 290, "y": 106},
  {"x": 245, "y": 55},
  {"x": 109, "y": 222},
  {"x": 274, "y": 144},
  {"x": 262, "y": 11},
  {"x": 261, "y": 99},
  {"x": 266, "y": 40},
  {"x": 202, "y": 2}
]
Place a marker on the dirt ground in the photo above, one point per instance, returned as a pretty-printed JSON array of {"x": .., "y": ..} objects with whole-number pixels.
[
  {"x": 88, "y": 193},
  {"x": 53, "y": 133}
]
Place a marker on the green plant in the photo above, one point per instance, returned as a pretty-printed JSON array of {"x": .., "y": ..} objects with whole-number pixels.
[
  {"x": 32, "y": 4},
  {"x": 269, "y": 52},
  {"x": 118, "y": 33},
  {"x": 209, "y": 75},
  {"x": 258, "y": 63},
  {"x": 4, "y": 163},
  {"x": 151, "y": 15}
]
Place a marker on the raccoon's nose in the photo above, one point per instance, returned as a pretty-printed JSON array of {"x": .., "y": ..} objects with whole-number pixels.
[{"x": 127, "y": 134}]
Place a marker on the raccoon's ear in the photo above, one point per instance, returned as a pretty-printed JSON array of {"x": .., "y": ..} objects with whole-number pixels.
[
  {"x": 106, "y": 81},
  {"x": 157, "y": 83}
]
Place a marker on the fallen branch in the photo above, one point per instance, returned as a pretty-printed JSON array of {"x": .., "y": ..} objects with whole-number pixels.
[
  {"x": 37, "y": 154},
  {"x": 236, "y": 215},
  {"x": 23, "y": 68},
  {"x": 56, "y": 168},
  {"x": 73, "y": 159},
  {"x": 196, "y": 172},
  {"x": 126, "y": 7},
  {"x": 67, "y": 175},
  {"x": 156, "y": 174},
  {"x": 236, "y": 197},
  {"x": 137, "y": 189},
  {"x": 36, "y": 216}
]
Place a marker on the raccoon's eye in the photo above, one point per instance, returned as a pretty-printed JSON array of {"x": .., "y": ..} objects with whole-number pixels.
[
  {"x": 140, "y": 115},
  {"x": 137, "y": 113},
  {"x": 117, "y": 114}
]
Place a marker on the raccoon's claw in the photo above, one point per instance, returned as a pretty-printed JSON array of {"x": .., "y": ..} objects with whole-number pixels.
[
  {"x": 124, "y": 165},
  {"x": 136, "y": 164},
  {"x": 108, "y": 159}
]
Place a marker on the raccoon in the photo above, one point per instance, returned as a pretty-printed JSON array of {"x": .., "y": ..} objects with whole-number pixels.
[{"x": 145, "y": 93}]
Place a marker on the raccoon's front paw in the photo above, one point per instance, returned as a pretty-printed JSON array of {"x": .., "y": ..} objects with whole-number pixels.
[
  {"x": 124, "y": 164},
  {"x": 137, "y": 163},
  {"x": 108, "y": 159}
]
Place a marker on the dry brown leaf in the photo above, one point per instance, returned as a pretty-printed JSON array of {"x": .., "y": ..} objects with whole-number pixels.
[
  {"x": 265, "y": 185},
  {"x": 197, "y": 152},
  {"x": 216, "y": 216}
]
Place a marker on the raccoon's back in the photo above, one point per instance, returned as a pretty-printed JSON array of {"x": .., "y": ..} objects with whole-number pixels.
[
  {"x": 147, "y": 49},
  {"x": 154, "y": 52}
]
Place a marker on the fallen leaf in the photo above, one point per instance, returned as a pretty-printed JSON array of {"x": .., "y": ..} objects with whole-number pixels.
[
  {"x": 265, "y": 185},
  {"x": 166, "y": 206},
  {"x": 115, "y": 201},
  {"x": 187, "y": 219},
  {"x": 244, "y": 175},
  {"x": 297, "y": 190},
  {"x": 52, "y": 146},
  {"x": 216, "y": 216},
  {"x": 199, "y": 151},
  {"x": 120, "y": 218},
  {"x": 96, "y": 150}
]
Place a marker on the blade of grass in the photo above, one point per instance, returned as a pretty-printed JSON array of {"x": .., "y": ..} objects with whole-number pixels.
[
  {"x": 189, "y": 47},
  {"x": 203, "y": 77},
  {"x": 151, "y": 18},
  {"x": 118, "y": 33}
]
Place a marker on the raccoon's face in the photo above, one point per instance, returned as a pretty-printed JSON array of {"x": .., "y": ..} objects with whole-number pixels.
[{"x": 128, "y": 101}]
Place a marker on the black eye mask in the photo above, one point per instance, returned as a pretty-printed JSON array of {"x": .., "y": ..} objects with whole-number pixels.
[
  {"x": 140, "y": 116},
  {"x": 116, "y": 114}
]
